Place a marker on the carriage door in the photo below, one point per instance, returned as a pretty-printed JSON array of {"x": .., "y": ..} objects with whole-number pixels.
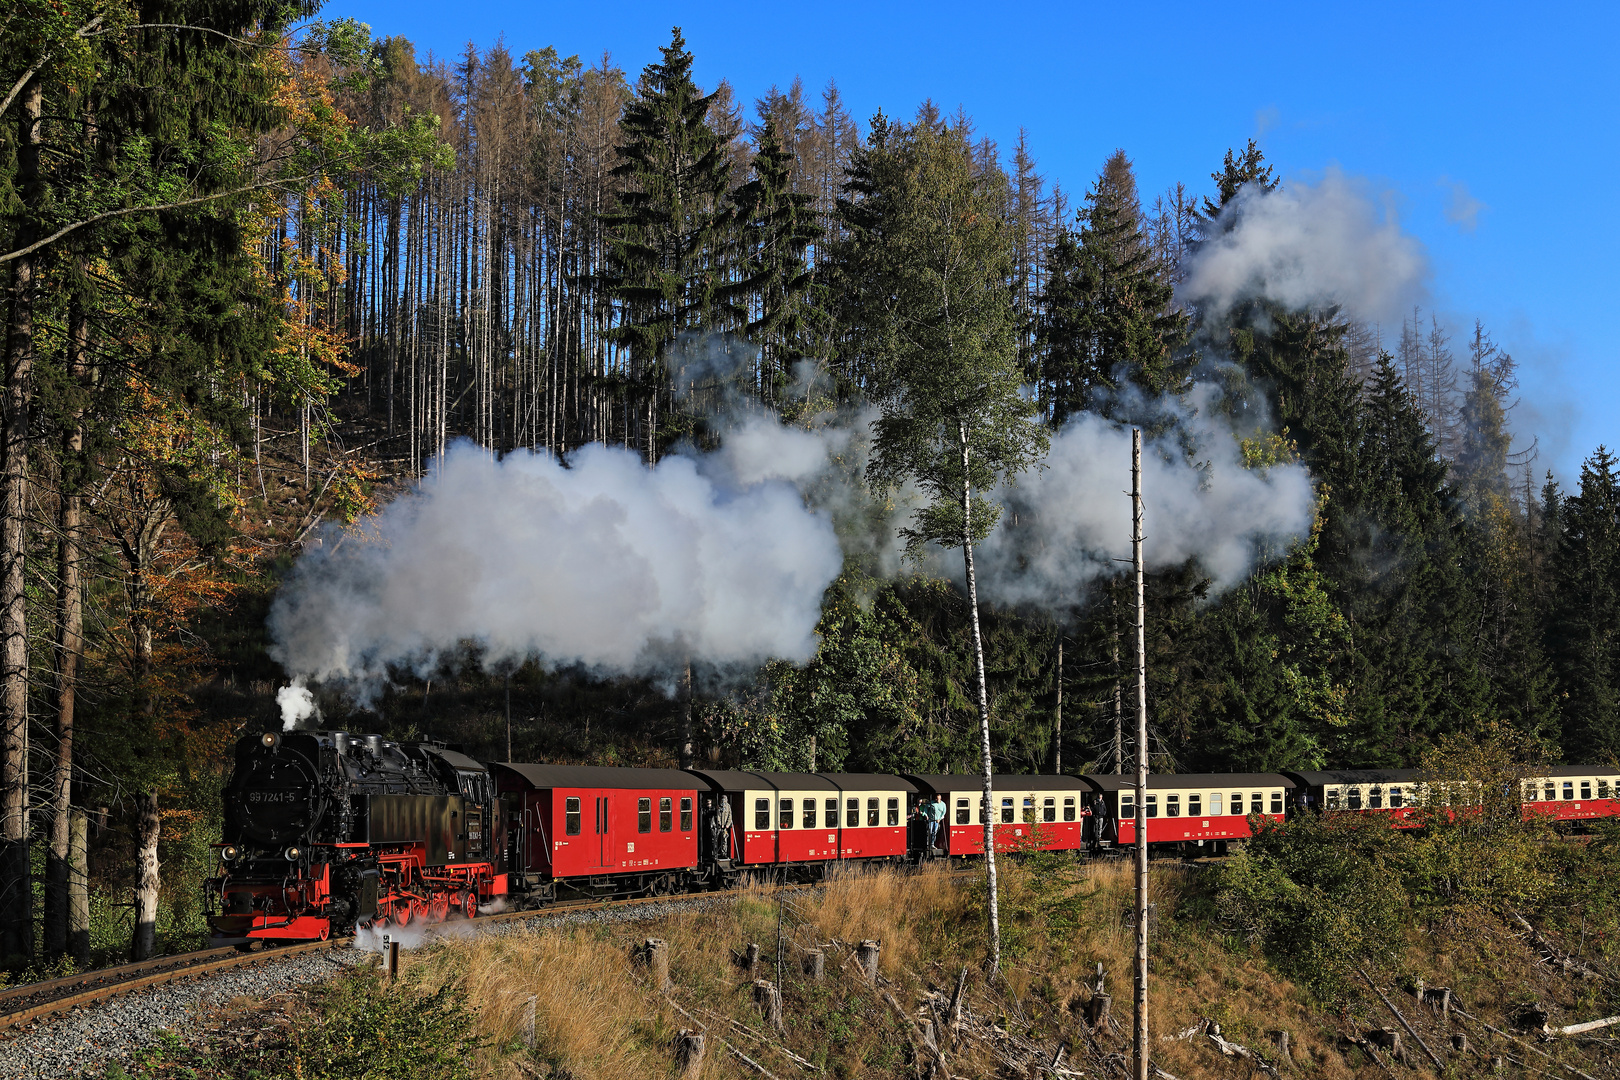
[{"x": 604, "y": 830}]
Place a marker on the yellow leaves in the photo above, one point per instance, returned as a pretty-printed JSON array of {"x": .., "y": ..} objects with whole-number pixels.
[{"x": 1264, "y": 451}]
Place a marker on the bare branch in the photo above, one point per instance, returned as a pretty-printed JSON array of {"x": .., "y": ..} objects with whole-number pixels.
[{"x": 126, "y": 211}]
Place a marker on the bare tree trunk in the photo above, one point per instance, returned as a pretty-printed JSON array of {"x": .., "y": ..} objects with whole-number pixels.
[
  {"x": 1057, "y": 722},
  {"x": 1141, "y": 1017},
  {"x": 146, "y": 876},
  {"x": 1119, "y": 734},
  {"x": 79, "y": 890},
  {"x": 16, "y": 892},
  {"x": 69, "y": 643},
  {"x": 993, "y": 961},
  {"x": 688, "y": 748}
]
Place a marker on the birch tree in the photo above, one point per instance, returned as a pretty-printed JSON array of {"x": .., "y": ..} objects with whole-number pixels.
[{"x": 937, "y": 265}]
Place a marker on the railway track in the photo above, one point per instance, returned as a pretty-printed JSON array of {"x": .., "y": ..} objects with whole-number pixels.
[{"x": 20, "y": 1005}]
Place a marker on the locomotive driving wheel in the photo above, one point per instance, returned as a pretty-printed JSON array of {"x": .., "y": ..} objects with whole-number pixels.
[
  {"x": 420, "y": 909},
  {"x": 469, "y": 904},
  {"x": 439, "y": 907}
]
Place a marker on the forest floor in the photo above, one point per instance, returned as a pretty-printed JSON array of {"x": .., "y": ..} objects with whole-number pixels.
[{"x": 461, "y": 1007}]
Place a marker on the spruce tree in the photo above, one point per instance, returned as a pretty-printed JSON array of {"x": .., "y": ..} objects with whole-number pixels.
[
  {"x": 1584, "y": 630},
  {"x": 778, "y": 227},
  {"x": 669, "y": 264},
  {"x": 1105, "y": 313}
]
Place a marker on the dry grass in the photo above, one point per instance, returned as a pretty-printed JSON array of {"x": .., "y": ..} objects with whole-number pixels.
[{"x": 598, "y": 1018}]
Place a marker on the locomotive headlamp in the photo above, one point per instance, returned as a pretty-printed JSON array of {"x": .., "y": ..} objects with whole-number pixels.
[
  {"x": 292, "y": 854},
  {"x": 230, "y": 853},
  {"x": 270, "y": 739}
]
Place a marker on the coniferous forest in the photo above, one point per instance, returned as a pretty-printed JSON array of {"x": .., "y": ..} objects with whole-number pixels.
[{"x": 258, "y": 281}]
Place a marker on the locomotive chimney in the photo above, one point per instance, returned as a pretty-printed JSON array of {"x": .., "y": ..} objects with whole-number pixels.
[
  {"x": 374, "y": 743},
  {"x": 340, "y": 742}
]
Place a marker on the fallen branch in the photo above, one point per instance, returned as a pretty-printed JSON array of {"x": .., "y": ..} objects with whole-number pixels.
[
  {"x": 1552, "y": 952},
  {"x": 1410, "y": 1030},
  {"x": 1515, "y": 1039},
  {"x": 1590, "y": 1025}
]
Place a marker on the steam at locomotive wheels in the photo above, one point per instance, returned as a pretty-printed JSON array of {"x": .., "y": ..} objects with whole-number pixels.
[{"x": 327, "y": 831}]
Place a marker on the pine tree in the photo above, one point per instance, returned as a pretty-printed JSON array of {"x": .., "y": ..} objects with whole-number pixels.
[{"x": 669, "y": 259}]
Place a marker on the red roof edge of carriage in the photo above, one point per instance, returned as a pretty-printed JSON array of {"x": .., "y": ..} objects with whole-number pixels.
[{"x": 599, "y": 776}]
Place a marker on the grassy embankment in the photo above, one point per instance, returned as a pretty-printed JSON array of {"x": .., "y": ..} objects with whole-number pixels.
[{"x": 459, "y": 1008}]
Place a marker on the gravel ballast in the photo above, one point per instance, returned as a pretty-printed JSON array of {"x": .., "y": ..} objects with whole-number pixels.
[{"x": 115, "y": 1029}]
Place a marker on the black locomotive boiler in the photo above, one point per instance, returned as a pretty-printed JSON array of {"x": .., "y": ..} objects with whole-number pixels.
[{"x": 325, "y": 830}]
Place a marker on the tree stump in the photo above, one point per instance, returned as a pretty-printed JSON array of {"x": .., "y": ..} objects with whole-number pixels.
[
  {"x": 815, "y": 964},
  {"x": 654, "y": 952},
  {"x": 1283, "y": 1050},
  {"x": 769, "y": 1000},
  {"x": 1459, "y": 1043},
  {"x": 1531, "y": 1017},
  {"x": 526, "y": 1023},
  {"x": 1097, "y": 1010},
  {"x": 866, "y": 958},
  {"x": 689, "y": 1053},
  {"x": 1497, "y": 1064},
  {"x": 1390, "y": 1040},
  {"x": 1438, "y": 998},
  {"x": 751, "y": 958}
]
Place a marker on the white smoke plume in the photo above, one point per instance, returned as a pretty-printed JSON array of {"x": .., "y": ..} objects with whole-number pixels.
[
  {"x": 1069, "y": 524},
  {"x": 600, "y": 561},
  {"x": 1308, "y": 245},
  {"x": 297, "y": 705}
]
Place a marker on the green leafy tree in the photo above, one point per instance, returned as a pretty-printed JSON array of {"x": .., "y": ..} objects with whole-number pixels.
[{"x": 942, "y": 361}]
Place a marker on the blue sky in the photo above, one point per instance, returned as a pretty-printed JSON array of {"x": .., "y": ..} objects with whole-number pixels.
[{"x": 1489, "y": 130}]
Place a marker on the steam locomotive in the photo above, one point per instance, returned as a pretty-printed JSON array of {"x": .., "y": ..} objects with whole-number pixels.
[{"x": 326, "y": 831}]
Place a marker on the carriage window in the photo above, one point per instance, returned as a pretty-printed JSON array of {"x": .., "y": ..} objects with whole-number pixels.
[
  {"x": 571, "y": 807},
  {"x": 871, "y": 813},
  {"x": 643, "y": 815},
  {"x": 1397, "y": 798},
  {"x": 809, "y": 811},
  {"x": 1549, "y": 791},
  {"x": 962, "y": 813},
  {"x": 1276, "y": 802},
  {"x": 686, "y": 815},
  {"x": 1529, "y": 793},
  {"x": 1215, "y": 804},
  {"x": 1569, "y": 791},
  {"x": 1603, "y": 789},
  {"x": 894, "y": 811},
  {"x": 1049, "y": 809},
  {"x": 666, "y": 815},
  {"x": 852, "y": 814},
  {"x": 1172, "y": 806},
  {"x": 1152, "y": 806},
  {"x": 1375, "y": 797},
  {"x": 1068, "y": 808},
  {"x": 1195, "y": 804},
  {"x": 762, "y": 814},
  {"x": 830, "y": 818},
  {"x": 1127, "y": 804},
  {"x": 1237, "y": 802},
  {"x": 1355, "y": 798},
  {"x": 1586, "y": 789},
  {"x": 784, "y": 813},
  {"x": 1029, "y": 809},
  {"x": 1006, "y": 811}
]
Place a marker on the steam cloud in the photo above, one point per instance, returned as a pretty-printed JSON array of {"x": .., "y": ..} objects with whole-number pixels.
[
  {"x": 1069, "y": 524},
  {"x": 297, "y": 704},
  {"x": 1308, "y": 245},
  {"x": 602, "y": 562}
]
